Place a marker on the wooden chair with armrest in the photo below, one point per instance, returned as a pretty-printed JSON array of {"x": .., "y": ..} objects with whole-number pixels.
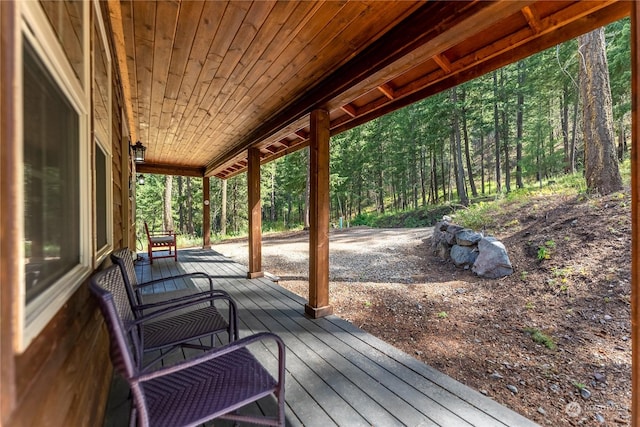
[{"x": 163, "y": 240}]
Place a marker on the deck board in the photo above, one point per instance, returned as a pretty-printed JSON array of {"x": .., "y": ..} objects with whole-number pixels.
[{"x": 337, "y": 374}]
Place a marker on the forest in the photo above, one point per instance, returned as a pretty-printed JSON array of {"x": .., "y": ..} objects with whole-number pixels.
[{"x": 522, "y": 125}]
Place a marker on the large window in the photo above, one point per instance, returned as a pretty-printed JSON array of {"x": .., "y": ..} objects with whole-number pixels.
[
  {"x": 57, "y": 153},
  {"x": 51, "y": 178}
]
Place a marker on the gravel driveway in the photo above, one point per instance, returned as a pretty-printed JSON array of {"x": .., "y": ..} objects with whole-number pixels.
[{"x": 355, "y": 254}]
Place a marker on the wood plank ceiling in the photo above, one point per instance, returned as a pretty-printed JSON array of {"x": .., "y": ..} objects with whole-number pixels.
[{"x": 209, "y": 79}]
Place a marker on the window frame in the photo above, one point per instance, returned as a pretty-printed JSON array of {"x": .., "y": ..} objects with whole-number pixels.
[
  {"x": 35, "y": 28},
  {"x": 101, "y": 42}
]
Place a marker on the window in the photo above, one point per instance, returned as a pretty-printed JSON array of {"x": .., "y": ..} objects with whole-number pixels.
[
  {"x": 56, "y": 179},
  {"x": 51, "y": 178},
  {"x": 101, "y": 113},
  {"x": 101, "y": 199}
]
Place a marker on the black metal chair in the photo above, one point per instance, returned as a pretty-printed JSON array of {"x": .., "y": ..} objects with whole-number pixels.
[
  {"x": 213, "y": 385},
  {"x": 182, "y": 321}
]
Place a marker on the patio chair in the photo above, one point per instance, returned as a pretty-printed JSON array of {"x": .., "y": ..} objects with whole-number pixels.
[
  {"x": 212, "y": 385},
  {"x": 186, "y": 318},
  {"x": 163, "y": 240}
]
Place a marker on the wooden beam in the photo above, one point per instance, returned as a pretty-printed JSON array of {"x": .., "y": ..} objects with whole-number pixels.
[
  {"x": 532, "y": 19},
  {"x": 163, "y": 169},
  {"x": 349, "y": 109},
  {"x": 421, "y": 27},
  {"x": 255, "y": 214},
  {"x": 115, "y": 15},
  {"x": 206, "y": 214},
  {"x": 635, "y": 215},
  {"x": 387, "y": 91},
  {"x": 443, "y": 62},
  {"x": 580, "y": 26},
  {"x": 11, "y": 221},
  {"x": 318, "y": 305}
]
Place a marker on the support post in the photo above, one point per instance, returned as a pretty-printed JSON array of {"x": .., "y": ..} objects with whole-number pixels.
[
  {"x": 255, "y": 214},
  {"x": 206, "y": 214},
  {"x": 11, "y": 202},
  {"x": 635, "y": 215},
  {"x": 318, "y": 305}
]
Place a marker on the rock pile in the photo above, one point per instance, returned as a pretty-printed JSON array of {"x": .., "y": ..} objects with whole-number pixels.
[{"x": 486, "y": 256}]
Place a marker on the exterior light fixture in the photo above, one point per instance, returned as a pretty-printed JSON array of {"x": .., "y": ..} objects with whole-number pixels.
[
  {"x": 141, "y": 179},
  {"x": 138, "y": 152}
]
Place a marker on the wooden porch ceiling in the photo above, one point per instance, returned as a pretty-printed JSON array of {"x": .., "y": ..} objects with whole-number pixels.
[{"x": 207, "y": 80}]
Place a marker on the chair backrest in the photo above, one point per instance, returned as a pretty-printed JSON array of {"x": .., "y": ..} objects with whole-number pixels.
[
  {"x": 146, "y": 230},
  {"x": 125, "y": 348},
  {"x": 124, "y": 259}
]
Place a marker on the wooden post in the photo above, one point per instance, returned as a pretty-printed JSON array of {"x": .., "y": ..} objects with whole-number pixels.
[
  {"x": 255, "y": 214},
  {"x": 635, "y": 215},
  {"x": 206, "y": 214},
  {"x": 11, "y": 220},
  {"x": 318, "y": 305}
]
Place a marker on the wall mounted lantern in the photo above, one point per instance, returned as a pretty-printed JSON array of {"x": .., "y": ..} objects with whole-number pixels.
[
  {"x": 141, "y": 179},
  {"x": 138, "y": 152}
]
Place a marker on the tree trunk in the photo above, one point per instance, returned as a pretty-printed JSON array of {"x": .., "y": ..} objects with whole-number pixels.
[
  {"x": 496, "y": 130},
  {"x": 467, "y": 152},
  {"x": 434, "y": 175},
  {"x": 167, "y": 217},
  {"x": 621, "y": 141},
  {"x": 443, "y": 173},
  {"x": 505, "y": 139},
  {"x": 423, "y": 173},
  {"x": 189, "y": 219},
  {"x": 574, "y": 132},
  {"x": 181, "y": 206},
  {"x": 564, "y": 122},
  {"x": 519, "y": 124},
  {"x": 223, "y": 209},
  {"x": 462, "y": 192},
  {"x": 273, "y": 193},
  {"x": 601, "y": 165},
  {"x": 307, "y": 190},
  {"x": 482, "y": 172}
]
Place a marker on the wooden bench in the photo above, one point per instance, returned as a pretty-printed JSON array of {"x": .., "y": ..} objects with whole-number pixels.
[{"x": 163, "y": 240}]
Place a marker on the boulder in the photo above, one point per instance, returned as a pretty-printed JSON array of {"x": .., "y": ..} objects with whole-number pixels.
[
  {"x": 442, "y": 250},
  {"x": 467, "y": 237},
  {"x": 450, "y": 234},
  {"x": 438, "y": 233},
  {"x": 463, "y": 256},
  {"x": 493, "y": 261}
]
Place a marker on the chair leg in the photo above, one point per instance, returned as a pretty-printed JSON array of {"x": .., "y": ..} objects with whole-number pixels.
[{"x": 150, "y": 251}]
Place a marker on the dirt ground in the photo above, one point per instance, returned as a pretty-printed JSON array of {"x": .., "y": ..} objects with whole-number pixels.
[{"x": 481, "y": 331}]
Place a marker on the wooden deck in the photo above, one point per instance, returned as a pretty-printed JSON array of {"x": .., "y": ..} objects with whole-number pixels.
[{"x": 337, "y": 374}]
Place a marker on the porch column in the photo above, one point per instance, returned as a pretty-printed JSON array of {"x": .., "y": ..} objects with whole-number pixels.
[
  {"x": 635, "y": 215},
  {"x": 318, "y": 305},
  {"x": 206, "y": 214},
  {"x": 255, "y": 214}
]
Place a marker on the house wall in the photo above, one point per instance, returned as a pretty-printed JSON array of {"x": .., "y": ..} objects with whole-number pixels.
[{"x": 62, "y": 378}]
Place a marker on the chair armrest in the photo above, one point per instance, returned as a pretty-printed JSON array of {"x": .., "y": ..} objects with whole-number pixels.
[
  {"x": 220, "y": 351},
  {"x": 184, "y": 302},
  {"x": 161, "y": 233},
  {"x": 178, "y": 276},
  {"x": 200, "y": 296}
]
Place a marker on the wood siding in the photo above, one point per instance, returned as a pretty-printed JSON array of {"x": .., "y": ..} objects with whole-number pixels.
[
  {"x": 63, "y": 377},
  {"x": 120, "y": 193}
]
